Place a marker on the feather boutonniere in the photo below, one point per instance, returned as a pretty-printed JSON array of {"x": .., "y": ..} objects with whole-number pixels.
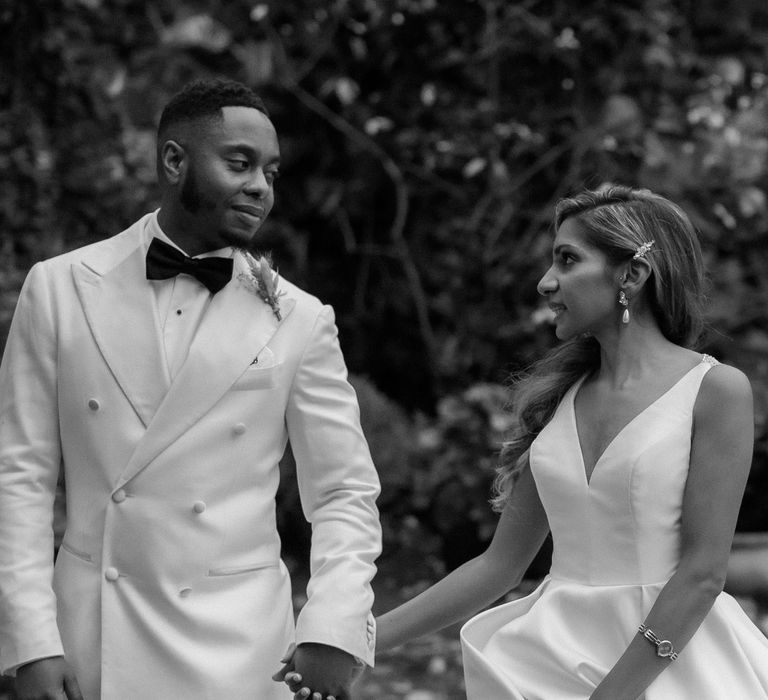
[{"x": 262, "y": 280}]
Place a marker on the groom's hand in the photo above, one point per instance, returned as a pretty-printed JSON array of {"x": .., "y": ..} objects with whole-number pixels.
[
  {"x": 326, "y": 670},
  {"x": 47, "y": 679}
]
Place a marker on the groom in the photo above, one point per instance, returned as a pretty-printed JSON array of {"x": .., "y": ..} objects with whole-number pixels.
[{"x": 167, "y": 387}]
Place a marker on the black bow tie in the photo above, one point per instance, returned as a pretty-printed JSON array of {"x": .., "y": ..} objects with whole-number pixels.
[{"x": 164, "y": 261}]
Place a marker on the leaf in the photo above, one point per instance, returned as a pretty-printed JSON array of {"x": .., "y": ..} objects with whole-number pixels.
[
  {"x": 266, "y": 274},
  {"x": 199, "y": 31},
  {"x": 474, "y": 167},
  {"x": 347, "y": 90}
]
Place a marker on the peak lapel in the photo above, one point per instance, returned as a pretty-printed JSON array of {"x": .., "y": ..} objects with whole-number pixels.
[
  {"x": 236, "y": 326},
  {"x": 120, "y": 309}
]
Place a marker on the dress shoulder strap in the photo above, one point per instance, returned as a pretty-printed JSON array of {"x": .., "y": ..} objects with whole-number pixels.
[{"x": 696, "y": 376}]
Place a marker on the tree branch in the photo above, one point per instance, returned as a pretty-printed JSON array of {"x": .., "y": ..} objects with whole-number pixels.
[{"x": 397, "y": 228}]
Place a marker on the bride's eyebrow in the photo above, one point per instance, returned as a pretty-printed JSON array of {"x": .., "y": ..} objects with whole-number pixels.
[{"x": 560, "y": 247}]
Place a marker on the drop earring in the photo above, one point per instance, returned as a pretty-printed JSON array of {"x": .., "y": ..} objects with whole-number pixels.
[{"x": 624, "y": 301}]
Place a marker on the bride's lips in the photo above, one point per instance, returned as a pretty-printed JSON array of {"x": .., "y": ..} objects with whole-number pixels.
[{"x": 557, "y": 309}]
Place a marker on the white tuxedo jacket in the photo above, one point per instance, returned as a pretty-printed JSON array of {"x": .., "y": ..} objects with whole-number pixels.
[{"x": 169, "y": 582}]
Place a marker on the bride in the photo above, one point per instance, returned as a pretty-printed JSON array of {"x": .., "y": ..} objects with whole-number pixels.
[{"x": 633, "y": 450}]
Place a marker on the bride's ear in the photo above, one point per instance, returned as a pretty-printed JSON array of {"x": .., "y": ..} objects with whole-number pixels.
[{"x": 633, "y": 276}]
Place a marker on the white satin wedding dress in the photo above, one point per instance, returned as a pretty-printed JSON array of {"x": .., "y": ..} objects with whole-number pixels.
[{"x": 616, "y": 543}]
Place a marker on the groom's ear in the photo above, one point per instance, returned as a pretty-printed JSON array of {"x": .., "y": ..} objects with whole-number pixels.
[{"x": 173, "y": 159}]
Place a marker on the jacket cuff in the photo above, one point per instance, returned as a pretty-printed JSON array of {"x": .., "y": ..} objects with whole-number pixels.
[
  {"x": 359, "y": 643},
  {"x": 11, "y": 662}
]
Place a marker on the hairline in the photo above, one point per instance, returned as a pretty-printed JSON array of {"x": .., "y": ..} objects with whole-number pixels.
[{"x": 213, "y": 117}]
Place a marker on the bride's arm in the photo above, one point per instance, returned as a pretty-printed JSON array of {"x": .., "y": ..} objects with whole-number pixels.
[
  {"x": 721, "y": 451},
  {"x": 476, "y": 584}
]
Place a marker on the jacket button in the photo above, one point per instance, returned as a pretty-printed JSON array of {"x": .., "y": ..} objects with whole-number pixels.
[
  {"x": 93, "y": 404},
  {"x": 239, "y": 428},
  {"x": 198, "y": 506},
  {"x": 119, "y": 496},
  {"x": 111, "y": 574}
]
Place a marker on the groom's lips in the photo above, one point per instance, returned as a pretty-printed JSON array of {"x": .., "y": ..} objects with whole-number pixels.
[{"x": 250, "y": 210}]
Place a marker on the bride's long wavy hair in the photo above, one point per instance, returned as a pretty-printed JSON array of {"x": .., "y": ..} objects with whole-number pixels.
[{"x": 615, "y": 220}]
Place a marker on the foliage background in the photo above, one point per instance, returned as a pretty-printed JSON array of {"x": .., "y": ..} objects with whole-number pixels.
[{"x": 424, "y": 146}]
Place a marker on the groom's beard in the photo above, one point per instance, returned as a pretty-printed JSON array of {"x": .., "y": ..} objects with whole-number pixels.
[{"x": 192, "y": 199}]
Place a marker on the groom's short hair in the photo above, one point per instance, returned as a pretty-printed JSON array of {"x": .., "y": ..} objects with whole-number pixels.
[{"x": 204, "y": 99}]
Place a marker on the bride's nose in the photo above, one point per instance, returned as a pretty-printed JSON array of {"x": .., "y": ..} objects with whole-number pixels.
[{"x": 547, "y": 284}]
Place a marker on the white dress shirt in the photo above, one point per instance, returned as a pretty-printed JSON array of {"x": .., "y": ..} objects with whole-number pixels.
[{"x": 181, "y": 302}]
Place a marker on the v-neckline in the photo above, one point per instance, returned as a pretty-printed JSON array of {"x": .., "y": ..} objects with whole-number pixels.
[{"x": 589, "y": 476}]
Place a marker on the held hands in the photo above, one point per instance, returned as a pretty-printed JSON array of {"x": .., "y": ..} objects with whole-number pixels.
[
  {"x": 320, "y": 672},
  {"x": 47, "y": 679}
]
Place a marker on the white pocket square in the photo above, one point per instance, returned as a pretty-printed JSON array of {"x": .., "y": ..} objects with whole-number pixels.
[{"x": 263, "y": 360}]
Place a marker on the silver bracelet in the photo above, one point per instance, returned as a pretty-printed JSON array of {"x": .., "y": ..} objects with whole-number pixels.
[{"x": 664, "y": 647}]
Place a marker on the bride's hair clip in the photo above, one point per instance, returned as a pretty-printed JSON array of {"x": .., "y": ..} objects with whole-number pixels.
[{"x": 642, "y": 250}]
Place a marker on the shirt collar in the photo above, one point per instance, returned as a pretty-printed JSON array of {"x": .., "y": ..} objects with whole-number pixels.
[{"x": 153, "y": 230}]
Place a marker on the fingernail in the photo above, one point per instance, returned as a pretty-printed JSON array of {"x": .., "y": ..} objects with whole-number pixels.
[{"x": 288, "y": 653}]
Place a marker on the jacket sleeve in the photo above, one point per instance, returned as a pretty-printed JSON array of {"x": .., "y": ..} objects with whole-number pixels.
[
  {"x": 30, "y": 455},
  {"x": 338, "y": 486}
]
